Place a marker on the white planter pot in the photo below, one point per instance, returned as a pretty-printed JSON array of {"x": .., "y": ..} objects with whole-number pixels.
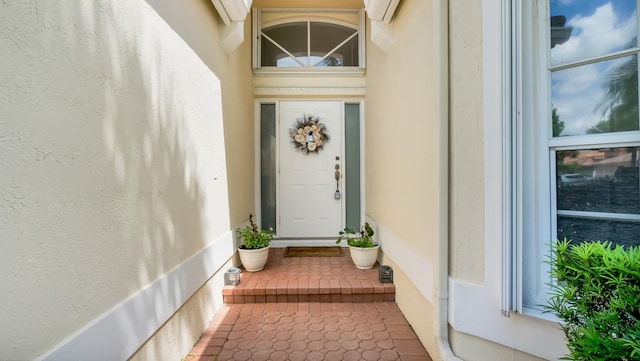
[
  {"x": 364, "y": 258},
  {"x": 253, "y": 260}
]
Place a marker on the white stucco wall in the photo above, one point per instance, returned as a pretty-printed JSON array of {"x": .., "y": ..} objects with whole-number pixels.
[
  {"x": 412, "y": 146},
  {"x": 114, "y": 172},
  {"x": 402, "y": 145},
  {"x": 466, "y": 182},
  {"x": 404, "y": 153}
]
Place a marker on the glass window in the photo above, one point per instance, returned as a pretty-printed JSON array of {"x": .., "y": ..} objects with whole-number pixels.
[
  {"x": 577, "y": 131},
  {"x": 291, "y": 40},
  {"x": 268, "y": 166},
  {"x": 601, "y": 97},
  {"x": 598, "y": 180},
  {"x": 593, "y": 75},
  {"x": 283, "y": 44},
  {"x": 598, "y": 195},
  {"x": 352, "y": 164},
  {"x": 586, "y": 29},
  {"x": 336, "y": 44},
  {"x": 309, "y": 44}
]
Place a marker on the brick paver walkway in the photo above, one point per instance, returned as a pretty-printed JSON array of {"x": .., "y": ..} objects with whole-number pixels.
[
  {"x": 281, "y": 314},
  {"x": 309, "y": 331}
]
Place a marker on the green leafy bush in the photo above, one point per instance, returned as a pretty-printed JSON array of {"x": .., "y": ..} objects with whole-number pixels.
[
  {"x": 253, "y": 238},
  {"x": 361, "y": 239},
  {"x": 596, "y": 294}
]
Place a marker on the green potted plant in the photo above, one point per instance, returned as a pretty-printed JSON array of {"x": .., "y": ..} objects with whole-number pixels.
[
  {"x": 363, "y": 250},
  {"x": 254, "y": 250}
]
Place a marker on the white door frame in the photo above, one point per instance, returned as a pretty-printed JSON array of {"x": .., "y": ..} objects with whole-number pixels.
[{"x": 278, "y": 242}]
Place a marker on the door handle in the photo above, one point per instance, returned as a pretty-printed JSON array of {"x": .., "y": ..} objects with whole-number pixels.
[{"x": 337, "y": 174}]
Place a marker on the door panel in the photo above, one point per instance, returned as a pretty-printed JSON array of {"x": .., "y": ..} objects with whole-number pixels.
[{"x": 307, "y": 184}]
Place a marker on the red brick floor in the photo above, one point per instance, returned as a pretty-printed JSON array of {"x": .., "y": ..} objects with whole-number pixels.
[{"x": 279, "y": 329}]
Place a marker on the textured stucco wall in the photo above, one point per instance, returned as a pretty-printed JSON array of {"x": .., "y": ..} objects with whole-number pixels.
[
  {"x": 472, "y": 348},
  {"x": 176, "y": 337},
  {"x": 200, "y": 27},
  {"x": 401, "y": 169},
  {"x": 466, "y": 135},
  {"x": 112, "y": 153},
  {"x": 403, "y": 155}
]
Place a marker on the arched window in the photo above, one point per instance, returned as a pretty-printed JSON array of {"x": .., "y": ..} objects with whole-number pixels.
[{"x": 288, "y": 39}]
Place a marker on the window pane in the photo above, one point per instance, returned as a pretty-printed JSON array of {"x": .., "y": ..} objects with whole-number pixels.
[
  {"x": 268, "y": 165},
  {"x": 325, "y": 37},
  {"x": 347, "y": 55},
  {"x": 598, "y": 180},
  {"x": 596, "y": 98},
  {"x": 589, "y": 28},
  {"x": 292, "y": 37},
  {"x": 352, "y": 164},
  {"x": 625, "y": 233}
]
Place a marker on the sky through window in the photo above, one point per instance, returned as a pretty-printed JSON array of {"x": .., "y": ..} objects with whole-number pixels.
[{"x": 598, "y": 27}]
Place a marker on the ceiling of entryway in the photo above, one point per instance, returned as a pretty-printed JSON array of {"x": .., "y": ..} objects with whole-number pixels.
[{"x": 311, "y": 4}]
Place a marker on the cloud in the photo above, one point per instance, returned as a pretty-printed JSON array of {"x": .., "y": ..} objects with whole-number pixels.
[
  {"x": 577, "y": 91},
  {"x": 574, "y": 94},
  {"x": 575, "y": 80},
  {"x": 598, "y": 34}
]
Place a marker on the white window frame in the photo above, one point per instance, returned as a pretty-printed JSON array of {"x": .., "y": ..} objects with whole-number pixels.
[
  {"x": 331, "y": 16},
  {"x": 507, "y": 65},
  {"x": 501, "y": 284},
  {"x": 532, "y": 179},
  {"x": 535, "y": 207}
]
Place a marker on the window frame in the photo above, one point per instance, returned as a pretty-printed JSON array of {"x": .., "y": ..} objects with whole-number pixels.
[
  {"x": 499, "y": 290},
  {"x": 329, "y": 16},
  {"x": 533, "y": 158}
]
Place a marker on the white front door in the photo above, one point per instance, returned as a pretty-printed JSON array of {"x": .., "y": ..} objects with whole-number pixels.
[{"x": 307, "y": 204}]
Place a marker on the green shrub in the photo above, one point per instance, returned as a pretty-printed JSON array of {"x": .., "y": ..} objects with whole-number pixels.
[{"x": 596, "y": 294}]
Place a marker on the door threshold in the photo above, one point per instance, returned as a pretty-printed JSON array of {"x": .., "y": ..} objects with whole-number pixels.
[{"x": 301, "y": 242}]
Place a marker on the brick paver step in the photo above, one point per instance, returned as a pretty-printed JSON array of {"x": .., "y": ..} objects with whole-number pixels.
[{"x": 309, "y": 279}]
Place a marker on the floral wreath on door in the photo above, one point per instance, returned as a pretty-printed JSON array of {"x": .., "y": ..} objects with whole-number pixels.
[{"x": 308, "y": 135}]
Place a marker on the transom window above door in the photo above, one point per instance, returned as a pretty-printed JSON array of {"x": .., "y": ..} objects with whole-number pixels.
[{"x": 308, "y": 41}]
